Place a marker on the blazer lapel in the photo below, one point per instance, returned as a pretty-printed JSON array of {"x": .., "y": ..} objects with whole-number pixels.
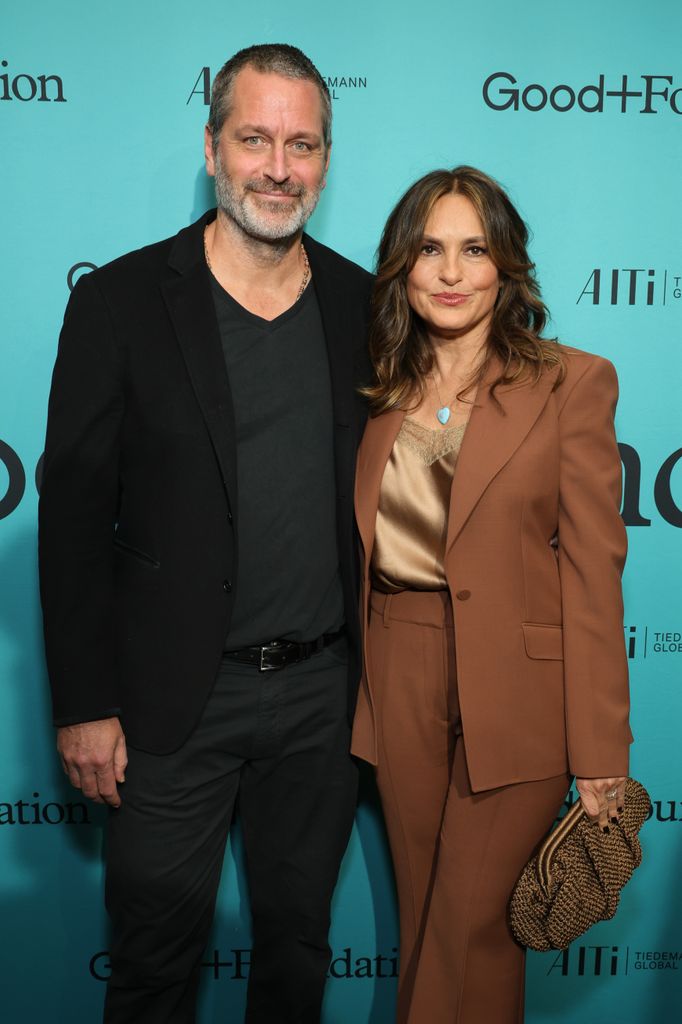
[
  {"x": 187, "y": 294},
  {"x": 493, "y": 434},
  {"x": 375, "y": 449},
  {"x": 331, "y": 298}
]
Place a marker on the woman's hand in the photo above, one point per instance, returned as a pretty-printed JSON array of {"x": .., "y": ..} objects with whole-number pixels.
[{"x": 602, "y": 799}]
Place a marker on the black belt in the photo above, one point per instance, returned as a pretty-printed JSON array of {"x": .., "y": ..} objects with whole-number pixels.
[{"x": 279, "y": 653}]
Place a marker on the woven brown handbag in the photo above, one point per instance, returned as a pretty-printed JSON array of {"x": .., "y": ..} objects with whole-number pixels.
[{"x": 576, "y": 877}]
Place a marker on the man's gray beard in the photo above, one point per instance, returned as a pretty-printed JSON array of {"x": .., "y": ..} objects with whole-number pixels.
[{"x": 244, "y": 210}]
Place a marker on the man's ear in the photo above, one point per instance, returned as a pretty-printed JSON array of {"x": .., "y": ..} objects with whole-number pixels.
[
  {"x": 326, "y": 164},
  {"x": 208, "y": 151}
]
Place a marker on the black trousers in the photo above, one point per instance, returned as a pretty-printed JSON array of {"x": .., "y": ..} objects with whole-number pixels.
[{"x": 279, "y": 742}]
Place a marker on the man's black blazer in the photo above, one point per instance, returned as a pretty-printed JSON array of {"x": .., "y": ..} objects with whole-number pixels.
[{"x": 138, "y": 506}]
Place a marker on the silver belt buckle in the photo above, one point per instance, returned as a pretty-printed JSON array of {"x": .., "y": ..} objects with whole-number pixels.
[{"x": 266, "y": 648}]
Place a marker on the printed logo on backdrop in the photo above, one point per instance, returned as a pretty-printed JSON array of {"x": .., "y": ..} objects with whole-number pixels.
[
  {"x": 611, "y": 961},
  {"x": 39, "y": 812},
  {"x": 77, "y": 271},
  {"x": 16, "y": 480},
  {"x": 663, "y": 499},
  {"x": 630, "y": 286},
  {"x": 577, "y": 961},
  {"x": 234, "y": 966},
  {"x": 648, "y": 642},
  {"x": 343, "y": 83},
  {"x": 337, "y": 85},
  {"x": 25, "y": 88},
  {"x": 643, "y": 94}
]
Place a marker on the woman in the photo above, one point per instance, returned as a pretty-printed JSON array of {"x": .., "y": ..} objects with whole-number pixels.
[{"x": 487, "y": 497}]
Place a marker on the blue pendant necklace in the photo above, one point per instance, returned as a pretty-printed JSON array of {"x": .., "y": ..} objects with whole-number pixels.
[{"x": 443, "y": 413}]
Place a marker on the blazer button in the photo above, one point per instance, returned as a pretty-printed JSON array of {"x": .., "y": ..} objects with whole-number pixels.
[
  {"x": 229, "y": 517},
  {"x": 463, "y": 595},
  {"x": 227, "y": 586}
]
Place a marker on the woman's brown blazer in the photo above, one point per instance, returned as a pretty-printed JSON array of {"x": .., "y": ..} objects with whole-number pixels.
[{"x": 534, "y": 556}]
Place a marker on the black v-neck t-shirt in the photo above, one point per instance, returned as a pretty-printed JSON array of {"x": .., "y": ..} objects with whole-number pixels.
[{"x": 287, "y": 581}]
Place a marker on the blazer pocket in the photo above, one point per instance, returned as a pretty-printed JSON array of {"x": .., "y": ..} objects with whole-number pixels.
[
  {"x": 543, "y": 641},
  {"x": 141, "y": 556}
]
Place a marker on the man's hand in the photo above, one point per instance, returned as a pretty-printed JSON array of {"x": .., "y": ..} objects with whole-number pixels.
[
  {"x": 94, "y": 757},
  {"x": 602, "y": 799}
]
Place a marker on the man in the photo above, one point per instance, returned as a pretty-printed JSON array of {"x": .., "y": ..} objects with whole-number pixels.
[{"x": 197, "y": 552}]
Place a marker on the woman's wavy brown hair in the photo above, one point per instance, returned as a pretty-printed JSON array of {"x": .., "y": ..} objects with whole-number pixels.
[{"x": 400, "y": 350}]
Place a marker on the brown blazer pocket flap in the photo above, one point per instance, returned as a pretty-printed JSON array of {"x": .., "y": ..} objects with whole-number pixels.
[{"x": 543, "y": 641}]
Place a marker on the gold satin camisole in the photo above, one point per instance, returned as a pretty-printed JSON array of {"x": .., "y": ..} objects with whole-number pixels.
[{"x": 412, "y": 518}]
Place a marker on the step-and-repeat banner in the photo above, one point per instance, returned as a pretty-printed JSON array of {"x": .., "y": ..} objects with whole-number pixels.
[{"x": 577, "y": 109}]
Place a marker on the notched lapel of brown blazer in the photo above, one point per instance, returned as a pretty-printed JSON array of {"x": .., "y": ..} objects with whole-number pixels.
[{"x": 493, "y": 434}]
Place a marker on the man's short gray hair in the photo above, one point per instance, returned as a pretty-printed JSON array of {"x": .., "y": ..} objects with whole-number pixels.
[{"x": 268, "y": 58}]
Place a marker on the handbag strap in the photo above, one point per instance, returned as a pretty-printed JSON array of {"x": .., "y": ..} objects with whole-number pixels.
[{"x": 553, "y": 840}]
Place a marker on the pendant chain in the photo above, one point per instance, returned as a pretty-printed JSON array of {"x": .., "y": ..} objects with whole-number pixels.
[
  {"x": 444, "y": 411},
  {"x": 306, "y": 268}
]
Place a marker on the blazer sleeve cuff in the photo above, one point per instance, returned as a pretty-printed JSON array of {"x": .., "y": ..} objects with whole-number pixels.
[{"x": 94, "y": 716}]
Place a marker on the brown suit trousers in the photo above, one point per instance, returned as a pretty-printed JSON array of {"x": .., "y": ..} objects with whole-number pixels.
[{"x": 456, "y": 854}]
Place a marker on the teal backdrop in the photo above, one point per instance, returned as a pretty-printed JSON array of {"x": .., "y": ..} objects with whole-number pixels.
[{"x": 577, "y": 109}]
